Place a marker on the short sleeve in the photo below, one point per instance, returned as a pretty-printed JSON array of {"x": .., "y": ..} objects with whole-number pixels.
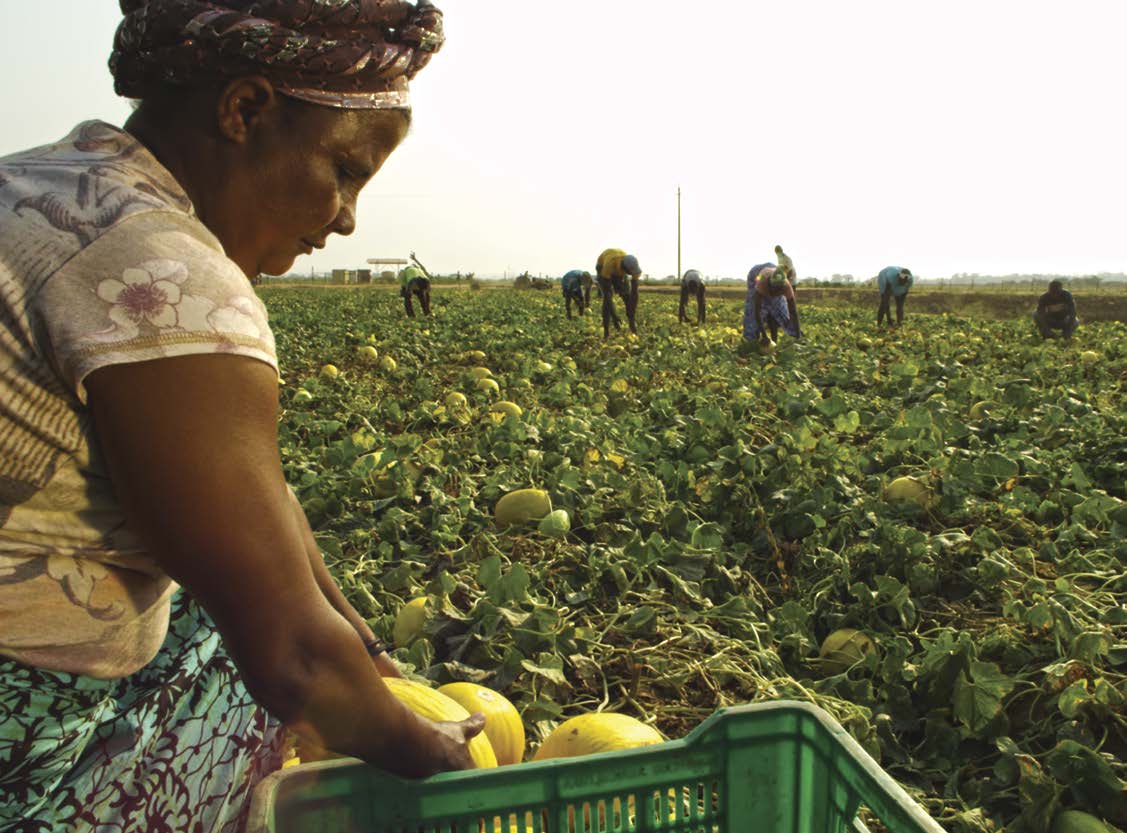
[{"x": 157, "y": 285}]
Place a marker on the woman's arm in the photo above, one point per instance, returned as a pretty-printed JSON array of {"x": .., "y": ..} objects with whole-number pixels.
[
  {"x": 332, "y": 591},
  {"x": 192, "y": 449}
]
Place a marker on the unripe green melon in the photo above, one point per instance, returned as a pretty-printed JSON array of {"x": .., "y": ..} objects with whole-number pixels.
[
  {"x": 521, "y": 507},
  {"x": 555, "y": 524},
  {"x": 909, "y": 490},
  {"x": 843, "y": 649},
  {"x": 1077, "y": 821}
]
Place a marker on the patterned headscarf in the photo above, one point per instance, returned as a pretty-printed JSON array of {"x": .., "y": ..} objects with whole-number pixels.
[{"x": 354, "y": 54}]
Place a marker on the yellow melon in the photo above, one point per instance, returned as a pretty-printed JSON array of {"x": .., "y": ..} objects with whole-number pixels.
[
  {"x": 589, "y": 734},
  {"x": 909, "y": 490},
  {"x": 428, "y": 702},
  {"x": 507, "y": 408},
  {"x": 409, "y": 622},
  {"x": 503, "y": 725}
]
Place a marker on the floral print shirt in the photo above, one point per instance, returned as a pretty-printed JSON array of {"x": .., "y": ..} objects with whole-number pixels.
[{"x": 102, "y": 261}]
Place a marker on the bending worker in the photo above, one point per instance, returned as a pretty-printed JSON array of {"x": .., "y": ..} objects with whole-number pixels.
[
  {"x": 572, "y": 285},
  {"x": 612, "y": 270},
  {"x": 415, "y": 280},
  {"x": 893, "y": 282},
  {"x": 1056, "y": 310},
  {"x": 770, "y": 304},
  {"x": 692, "y": 284}
]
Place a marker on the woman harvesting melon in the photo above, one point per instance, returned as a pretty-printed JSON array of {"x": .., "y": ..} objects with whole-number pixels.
[
  {"x": 770, "y": 304},
  {"x": 164, "y": 609}
]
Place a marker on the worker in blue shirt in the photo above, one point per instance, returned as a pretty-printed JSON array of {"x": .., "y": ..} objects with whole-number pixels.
[
  {"x": 574, "y": 290},
  {"x": 893, "y": 282}
]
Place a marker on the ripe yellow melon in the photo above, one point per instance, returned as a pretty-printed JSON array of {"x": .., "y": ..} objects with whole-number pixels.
[
  {"x": 521, "y": 507},
  {"x": 503, "y": 725},
  {"x": 430, "y": 703},
  {"x": 474, "y": 356},
  {"x": 455, "y": 401},
  {"x": 481, "y": 372},
  {"x": 1089, "y": 357},
  {"x": 507, "y": 408},
  {"x": 909, "y": 490},
  {"x": 388, "y": 364},
  {"x": 620, "y": 386},
  {"x": 409, "y": 622},
  {"x": 329, "y": 372},
  {"x": 843, "y": 649},
  {"x": 487, "y": 385},
  {"x": 588, "y": 734},
  {"x": 979, "y": 409}
]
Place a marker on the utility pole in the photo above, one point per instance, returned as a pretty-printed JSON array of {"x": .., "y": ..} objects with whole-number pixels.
[{"x": 678, "y": 232}]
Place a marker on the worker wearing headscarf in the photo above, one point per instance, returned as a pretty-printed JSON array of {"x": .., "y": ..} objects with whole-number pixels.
[
  {"x": 164, "y": 607},
  {"x": 769, "y": 305},
  {"x": 618, "y": 273}
]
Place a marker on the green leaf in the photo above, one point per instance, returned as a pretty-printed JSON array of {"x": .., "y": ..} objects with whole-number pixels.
[
  {"x": 548, "y": 666},
  {"x": 979, "y": 693}
]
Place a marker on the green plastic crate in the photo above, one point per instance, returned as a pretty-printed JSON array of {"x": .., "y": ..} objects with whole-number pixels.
[{"x": 782, "y": 767}]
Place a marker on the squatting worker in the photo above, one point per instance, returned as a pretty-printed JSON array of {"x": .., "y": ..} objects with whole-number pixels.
[
  {"x": 618, "y": 273},
  {"x": 164, "y": 609},
  {"x": 769, "y": 305},
  {"x": 414, "y": 282},
  {"x": 692, "y": 285},
  {"x": 573, "y": 290},
  {"x": 1056, "y": 311},
  {"x": 893, "y": 282}
]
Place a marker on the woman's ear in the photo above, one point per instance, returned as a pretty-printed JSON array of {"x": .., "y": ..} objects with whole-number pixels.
[{"x": 242, "y": 105}]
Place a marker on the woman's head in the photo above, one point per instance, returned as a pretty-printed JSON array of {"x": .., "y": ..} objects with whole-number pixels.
[{"x": 273, "y": 122}]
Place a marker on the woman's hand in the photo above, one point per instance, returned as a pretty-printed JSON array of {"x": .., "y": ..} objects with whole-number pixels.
[{"x": 440, "y": 746}]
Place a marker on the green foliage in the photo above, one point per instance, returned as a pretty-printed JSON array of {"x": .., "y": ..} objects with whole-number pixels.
[{"x": 726, "y": 515}]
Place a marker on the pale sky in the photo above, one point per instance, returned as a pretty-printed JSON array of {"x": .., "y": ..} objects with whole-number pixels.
[{"x": 980, "y": 136}]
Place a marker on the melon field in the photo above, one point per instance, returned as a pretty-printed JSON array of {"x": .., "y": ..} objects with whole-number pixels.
[{"x": 726, "y": 512}]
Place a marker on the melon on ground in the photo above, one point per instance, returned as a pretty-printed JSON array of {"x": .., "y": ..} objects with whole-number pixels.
[
  {"x": 843, "y": 649},
  {"x": 521, "y": 507},
  {"x": 409, "y": 622},
  {"x": 909, "y": 490}
]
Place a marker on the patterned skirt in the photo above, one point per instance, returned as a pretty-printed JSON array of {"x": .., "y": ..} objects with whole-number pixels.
[
  {"x": 771, "y": 308},
  {"x": 178, "y": 746}
]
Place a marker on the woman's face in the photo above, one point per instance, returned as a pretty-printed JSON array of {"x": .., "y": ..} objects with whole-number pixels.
[{"x": 307, "y": 166}]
